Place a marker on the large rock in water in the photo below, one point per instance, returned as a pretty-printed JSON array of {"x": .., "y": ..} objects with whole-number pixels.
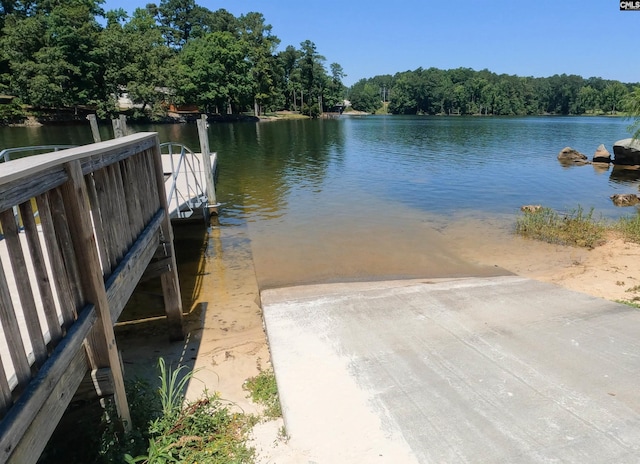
[
  {"x": 602, "y": 155},
  {"x": 569, "y": 156},
  {"x": 627, "y": 152}
]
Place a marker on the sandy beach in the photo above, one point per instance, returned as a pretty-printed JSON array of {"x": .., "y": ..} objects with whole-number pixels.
[{"x": 226, "y": 342}]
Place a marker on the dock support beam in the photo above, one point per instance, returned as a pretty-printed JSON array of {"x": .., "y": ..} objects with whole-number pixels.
[
  {"x": 102, "y": 348},
  {"x": 169, "y": 279},
  {"x": 206, "y": 156}
]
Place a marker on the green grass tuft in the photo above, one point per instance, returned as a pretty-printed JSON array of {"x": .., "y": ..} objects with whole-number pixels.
[
  {"x": 633, "y": 304},
  {"x": 263, "y": 390},
  {"x": 576, "y": 228},
  {"x": 629, "y": 227}
]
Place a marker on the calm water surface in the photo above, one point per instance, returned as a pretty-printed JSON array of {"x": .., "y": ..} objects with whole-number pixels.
[{"x": 366, "y": 197}]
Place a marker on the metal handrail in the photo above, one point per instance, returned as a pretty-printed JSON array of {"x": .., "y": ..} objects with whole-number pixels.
[
  {"x": 5, "y": 154},
  {"x": 187, "y": 162}
]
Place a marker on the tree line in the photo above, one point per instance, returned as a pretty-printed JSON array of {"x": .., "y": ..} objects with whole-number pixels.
[
  {"x": 465, "y": 91},
  {"x": 72, "y": 53}
]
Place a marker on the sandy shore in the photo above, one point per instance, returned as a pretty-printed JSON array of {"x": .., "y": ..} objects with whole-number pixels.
[{"x": 226, "y": 342}]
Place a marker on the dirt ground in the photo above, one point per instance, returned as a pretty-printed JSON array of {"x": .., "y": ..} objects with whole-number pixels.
[{"x": 226, "y": 343}]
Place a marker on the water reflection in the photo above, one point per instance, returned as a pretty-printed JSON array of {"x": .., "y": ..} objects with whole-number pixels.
[
  {"x": 264, "y": 165},
  {"x": 625, "y": 175}
]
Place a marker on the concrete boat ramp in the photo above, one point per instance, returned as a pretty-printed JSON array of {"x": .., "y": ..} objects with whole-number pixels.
[{"x": 482, "y": 370}]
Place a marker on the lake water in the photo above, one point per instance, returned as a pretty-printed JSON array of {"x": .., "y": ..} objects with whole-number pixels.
[{"x": 371, "y": 197}]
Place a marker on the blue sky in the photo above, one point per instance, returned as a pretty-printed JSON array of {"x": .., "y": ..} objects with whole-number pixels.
[{"x": 528, "y": 38}]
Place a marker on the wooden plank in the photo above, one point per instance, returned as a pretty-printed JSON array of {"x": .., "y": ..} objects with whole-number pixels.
[
  {"x": 123, "y": 216},
  {"x": 112, "y": 203},
  {"x": 119, "y": 218},
  {"x": 25, "y": 430},
  {"x": 92, "y": 157},
  {"x": 126, "y": 276},
  {"x": 132, "y": 194},
  {"x": 12, "y": 333},
  {"x": 96, "y": 162},
  {"x": 22, "y": 189},
  {"x": 41, "y": 389},
  {"x": 170, "y": 282},
  {"x": 152, "y": 197},
  {"x": 5, "y": 391},
  {"x": 65, "y": 295},
  {"x": 23, "y": 284},
  {"x": 98, "y": 225},
  {"x": 84, "y": 244},
  {"x": 145, "y": 170},
  {"x": 41, "y": 274},
  {"x": 31, "y": 446},
  {"x": 104, "y": 208},
  {"x": 65, "y": 243}
]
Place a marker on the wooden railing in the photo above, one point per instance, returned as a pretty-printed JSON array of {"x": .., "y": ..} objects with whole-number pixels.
[{"x": 79, "y": 227}]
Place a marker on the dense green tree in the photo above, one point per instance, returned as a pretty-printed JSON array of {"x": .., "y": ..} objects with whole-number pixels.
[
  {"x": 52, "y": 54},
  {"x": 588, "y": 100},
  {"x": 334, "y": 89},
  {"x": 137, "y": 60},
  {"x": 290, "y": 76},
  {"x": 222, "y": 21},
  {"x": 632, "y": 107},
  {"x": 313, "y": 77},
  {"x": 181, "y": 20},
  {"x": 365, "y": 96},
  {"x": 213, "y": 73},
  {"x": 613, "y": 96},
  {"x": 464, "y": 91},
  {"x": 260, "y": 48}
]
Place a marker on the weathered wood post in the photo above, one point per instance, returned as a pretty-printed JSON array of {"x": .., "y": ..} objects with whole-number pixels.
[
  {"x": 206, "y": 157},
  {"x": 169, "y": 279},
  {"x": 93, "y": 122},
  {"x": 102, "y": 349},
  {"x": 119, "y": 126}
]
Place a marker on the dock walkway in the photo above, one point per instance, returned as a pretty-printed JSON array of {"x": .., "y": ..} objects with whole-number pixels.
[{"x": 497, "y": 369}]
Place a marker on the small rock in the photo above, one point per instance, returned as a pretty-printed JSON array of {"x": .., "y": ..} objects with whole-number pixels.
[
  {"x": 530, "y": 208},
  {"x": 625, "y": 199},
  {"x": 569, "y": 156},
  {"x": 602, "y": 155}
]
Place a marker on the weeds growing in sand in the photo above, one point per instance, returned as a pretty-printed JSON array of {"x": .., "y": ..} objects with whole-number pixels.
[
  {"x": 164, "y": 429},
  {"x": 205, "y": 430},
  {"x": 629, "y": 227},
  {"x": 263, "y": 390},
  {"x": 633, "y": 304},
  {"x": 574, "y": 228}
]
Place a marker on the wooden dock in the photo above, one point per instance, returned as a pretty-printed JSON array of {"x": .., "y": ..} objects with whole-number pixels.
[{"x": 80, "y": 228}]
